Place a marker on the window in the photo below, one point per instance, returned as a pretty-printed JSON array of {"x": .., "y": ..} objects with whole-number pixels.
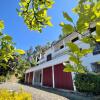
[
  {"x": 80, "y": 49},
  {"x": 75, "y": 39},
  {"x": 95, "y": 67},
  {"x": 62, "y": 46},
  {"x": 38, "y": 59},
  {"x": 96, "y": 49},
  {"x": 49, "y": 57}
]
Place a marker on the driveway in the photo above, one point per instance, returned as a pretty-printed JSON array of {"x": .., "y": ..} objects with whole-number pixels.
[{"x": 38, "y": 94}]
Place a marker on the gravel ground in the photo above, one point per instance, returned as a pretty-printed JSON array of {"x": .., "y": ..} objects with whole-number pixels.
[{"x": 37, "y": 94}]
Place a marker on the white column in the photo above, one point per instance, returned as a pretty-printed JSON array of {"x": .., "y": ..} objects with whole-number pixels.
[
  {"x": 33, "y": 78},
  {"x": 25, "y": 77},
  {"x": 28, "y": 77},
  {"x": 42, "y": 77},
  {"x": 53, "y": 80},
  {"x": 73, "y": 76}
]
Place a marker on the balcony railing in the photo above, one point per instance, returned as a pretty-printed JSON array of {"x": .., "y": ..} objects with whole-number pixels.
[
  {"x": 59, "y": 53},
  {"x": 55, "y": 55},
  {"x": 62, "y": 51}
]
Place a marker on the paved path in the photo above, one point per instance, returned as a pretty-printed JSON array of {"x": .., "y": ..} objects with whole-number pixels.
[{"x": 36, "y": 93}]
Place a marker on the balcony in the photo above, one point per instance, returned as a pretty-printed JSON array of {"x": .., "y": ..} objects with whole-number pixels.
[
  {"x": 59, "y": 53},
  {"x": 55, "y": 55}
]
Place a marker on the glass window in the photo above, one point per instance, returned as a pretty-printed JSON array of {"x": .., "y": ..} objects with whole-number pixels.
[
  {"x": 96, "y": 49},
  {"x": 62, "y": 46},
  {"x": 95, "y": 67},
  {"x": 75, "y": 39},
  {"x": 49, "y": 57}
]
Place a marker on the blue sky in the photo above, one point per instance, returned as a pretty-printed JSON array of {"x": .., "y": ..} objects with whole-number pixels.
[{"x": 23, "y": 37}]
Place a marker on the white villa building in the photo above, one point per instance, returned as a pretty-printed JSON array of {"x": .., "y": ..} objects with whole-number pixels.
[{"x": 49, "y": 71}]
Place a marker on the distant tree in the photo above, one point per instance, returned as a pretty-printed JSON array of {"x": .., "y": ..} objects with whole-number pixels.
[
  {"x": 22, "y": 66},
  {"x": 31, "y": 57}
]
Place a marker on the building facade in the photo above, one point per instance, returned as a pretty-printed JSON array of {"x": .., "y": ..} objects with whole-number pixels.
[{"x": 49, "y": 71}]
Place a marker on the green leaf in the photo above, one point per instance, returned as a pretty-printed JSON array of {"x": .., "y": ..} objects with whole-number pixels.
[
  {"x": 20, "y": 51},
  {"x": 74, "y": 59},
  {"x": 49, "y": 23},
  {"x": 86, "y": 40},
  {"x": 1, "y": 25},
  {"x": 86, "y": 51},
  {"x": 98, "y": 38},
  {"x": 62, "y": 24},
  {"x": 69, "y": 68},
  {"x": 73, "y": 47},
  {"x": 67, "y": 28},
  {"x": 81, "y": 69},
  {"x": 98, "y": 28},
  {"x": 7, "y": 37},
  {"x": 67, "y": 17}
]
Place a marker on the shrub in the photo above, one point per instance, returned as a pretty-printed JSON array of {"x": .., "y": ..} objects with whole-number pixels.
[
  {"x": 21, "y": 79},
  {"x": 11, "y": 95},
  {"x": 89, "y": 83},
  {"x": 2, "y": 79}
]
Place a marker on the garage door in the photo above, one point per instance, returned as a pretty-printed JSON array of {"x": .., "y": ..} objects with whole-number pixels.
[
  {"x": 47, "y": 77},
  {"x": 62, "y": 79}
]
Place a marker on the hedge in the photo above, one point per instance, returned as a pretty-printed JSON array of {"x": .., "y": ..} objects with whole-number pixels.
[
  {"x": 89, "y": 83},
  {"x": 2, "y": 79}
]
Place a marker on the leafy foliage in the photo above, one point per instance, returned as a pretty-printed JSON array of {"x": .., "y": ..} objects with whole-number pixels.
[
  {"x": 89, "y": 83},
  {"x": 19, "y": 51},
  {"x": 6, "y": 47},
  {"x": 1, "y": 25},
  {"x": 88, "y": 12},
  {"x": 75, "y": 55},
  {"x": 22, "y": 66},
  {"x": 8, "y": 58},
  {"x": 34, "y": 13},
  {"x": 2, "y": 79},
  {"x": 67, "y": 28},
  {"x": 67, "y": 17}
]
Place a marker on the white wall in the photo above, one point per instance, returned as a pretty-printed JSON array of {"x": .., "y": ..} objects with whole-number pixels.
[{"x": 90, "y": 58}]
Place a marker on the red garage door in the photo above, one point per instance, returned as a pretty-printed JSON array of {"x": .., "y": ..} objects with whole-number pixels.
[
  {"x": 47, "y": 77},
  {"x": 62, "y": 79},
  {"x": 30, "y": 77}
]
